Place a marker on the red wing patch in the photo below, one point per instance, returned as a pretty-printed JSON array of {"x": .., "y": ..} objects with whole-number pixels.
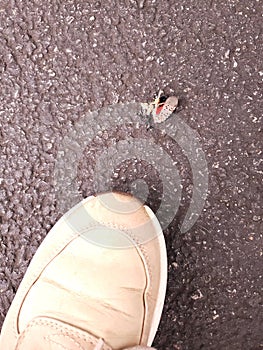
[{"x": 167, "y": 109}]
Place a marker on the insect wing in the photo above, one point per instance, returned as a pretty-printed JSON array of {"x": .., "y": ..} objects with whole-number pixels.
[{"x": 169, "y": 106}]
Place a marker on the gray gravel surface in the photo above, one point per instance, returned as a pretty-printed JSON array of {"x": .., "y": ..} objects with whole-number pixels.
[{"x": 61, "y": 59}]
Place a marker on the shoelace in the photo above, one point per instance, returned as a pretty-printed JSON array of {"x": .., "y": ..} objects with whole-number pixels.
[{"x": 100, "y": 344}]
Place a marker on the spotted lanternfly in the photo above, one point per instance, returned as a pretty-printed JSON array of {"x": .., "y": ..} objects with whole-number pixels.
[
  {"x": 165, "y": 109},
  {"x": 160, "y": 109}
]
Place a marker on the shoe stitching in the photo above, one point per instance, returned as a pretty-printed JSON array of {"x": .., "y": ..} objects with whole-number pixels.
[
  {"x": 128, "y": 232},
  {"x": 68, "y": 240},
  {"x": 136, "y": 240},
  {"x": 52, "y": 255},
  {"x": 132, "y": 236},
  {"x": 31, "y": 281},
  {"x": 146, "y": 257},
  {"x": 47, "y": 338},
  {"x": 53, "y": 325},
  {"x": 144, "y": 253}
]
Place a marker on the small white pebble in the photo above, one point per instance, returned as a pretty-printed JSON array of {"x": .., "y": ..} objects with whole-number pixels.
[
  {"x": 197, "y": 296},
  {"x": 227, "y": 53},
  {"x": 149, "y": 58}
]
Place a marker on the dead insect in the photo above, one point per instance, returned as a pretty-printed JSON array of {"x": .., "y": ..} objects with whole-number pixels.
[
  {"x": 162, "y": 107},
  {"x": 164, "y": 110}
]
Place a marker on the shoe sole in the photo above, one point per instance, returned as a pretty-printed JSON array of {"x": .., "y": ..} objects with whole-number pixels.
[{"x": 163, "y": 280}]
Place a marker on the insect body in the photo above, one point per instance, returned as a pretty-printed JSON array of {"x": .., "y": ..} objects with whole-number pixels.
[
  {"x": 161, "y": 108},
  {"x": 165, "y": 110}
]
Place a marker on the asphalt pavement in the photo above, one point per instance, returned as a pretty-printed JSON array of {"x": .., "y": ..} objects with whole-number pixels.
[{"x": 61, "y": 60}]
